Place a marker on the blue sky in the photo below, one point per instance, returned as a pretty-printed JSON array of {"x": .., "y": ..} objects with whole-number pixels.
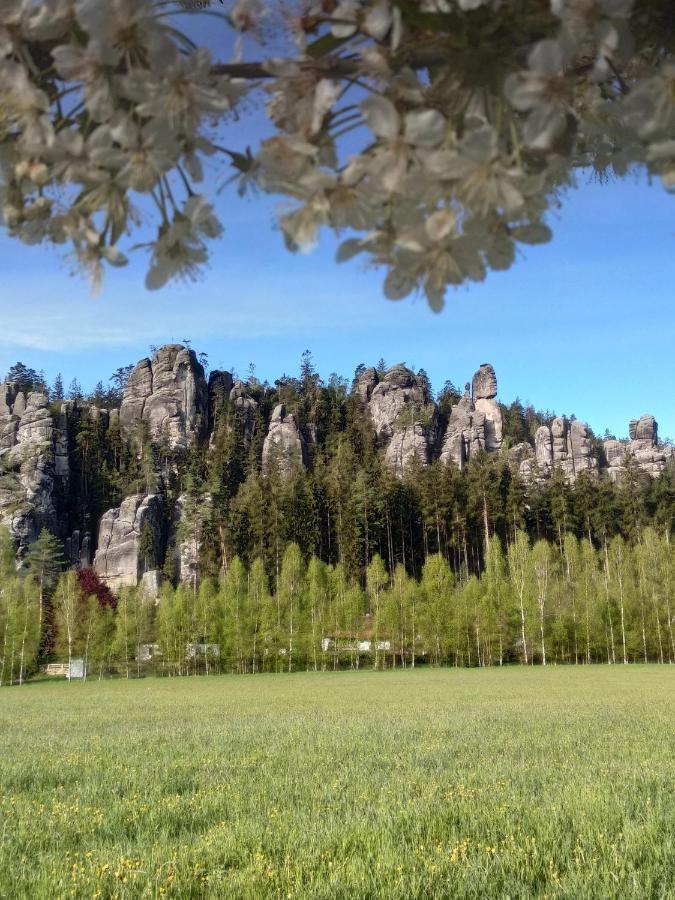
[{"x": 583, "y": 325}]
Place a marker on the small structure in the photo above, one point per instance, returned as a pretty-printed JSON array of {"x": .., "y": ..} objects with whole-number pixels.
[
  {"x": 147, "y": 652},
  {"x": 212, "y": 650},
  {"x": 76, "y": 669}
]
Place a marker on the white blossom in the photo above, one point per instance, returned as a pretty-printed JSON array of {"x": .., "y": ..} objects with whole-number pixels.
[{"x": 378, "y": 126}]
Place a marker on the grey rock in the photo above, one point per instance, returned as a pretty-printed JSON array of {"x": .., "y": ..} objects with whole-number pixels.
[
  {"x": 408, "y": 445},
  {"x": 581, "y": 449},
  {"x": 19, "y": 404},
  {"x": 284, "y": 445},
  {"x": 366, "y": 384},
  {"x": 151, "y": 582},
  {"x": 27, "y": 451},
  {"x": 493, "y": 423},
  {"x": 187, "y": 541},
  {"x": 117, "y": 559},
  {"x": 484, "y": 383},
  {"x": 169, "y": 392},
  {"x": 543, "y": 447},
  {"x": 519, "y": 453},
  {"x": 404, "y": 416},
  {"x": 465, "y": 434},
  {"x": 483, "y": 392},
  {"x": 643, "y": 447},
  {"x": 246, "y": 410},
  {"x": 398, "y": 400},
  {"x": 644, "y": 429},
  {"x": 563, "y": 445},
  {"x": 77, "y": 549}
]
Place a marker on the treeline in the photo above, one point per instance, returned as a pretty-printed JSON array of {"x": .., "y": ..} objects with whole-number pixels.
[
  {"x": 345, "y": 505},
  {"x": 533, "y": 603}
]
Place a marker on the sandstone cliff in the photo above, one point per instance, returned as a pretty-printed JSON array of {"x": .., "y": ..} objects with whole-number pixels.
[{"x": 170, "y": 394}]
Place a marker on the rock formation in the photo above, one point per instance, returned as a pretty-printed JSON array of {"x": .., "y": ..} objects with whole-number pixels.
[
  {"x": 483, "y": 392},
  {"x": 403, "y": 414},
  {"x": 408, "y": 444},
  {"x": 117, "y": 558},
  {"x": 27, "y": 465},
  {"x": 367, "y": 383},
  {"x": 465, "y": 434},
  {"x": 643, "y": 446},
  {"x": 186, "y": 537},
  {"x": 284, "y": 445},
  {"x": 398, "y": 400},
  {"x": 246, "y": 409},
  {"x": 169, "y": 392},
  {"x": 41, "y": 478},
  {"x": 564, "y": 445}
]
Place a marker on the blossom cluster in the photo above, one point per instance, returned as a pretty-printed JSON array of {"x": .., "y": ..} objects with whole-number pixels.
[
  {"x": 434, "y": 135},
  {"x": 100, "y": 102}
]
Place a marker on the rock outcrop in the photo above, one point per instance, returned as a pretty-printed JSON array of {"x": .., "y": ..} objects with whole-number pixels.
[
  {"x": 564, "y": 445},
  {"x": 403, "y": 414},
  {"x": 27, "y": 465},
  {"x": 643, "y": 447},
  {"x": 118, "y": 559},
  {"x": 475, "y": 421},
  {"x": 246, "y": 409},
  {"x": 366, "y": 384},
  {"x": 399, "y": 399},
  {"x": 465, "y": 434},
  {"x": 187, "y": 533},
  {"x": 284, "y": 447},
  {"x": 169, "y": 393},
  {"x": 408, "y": 445},
  {"x": 483, "y": 392}
]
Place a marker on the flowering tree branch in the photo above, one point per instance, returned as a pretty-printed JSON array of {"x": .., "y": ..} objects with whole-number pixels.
[{"x": 467, "y": 118}]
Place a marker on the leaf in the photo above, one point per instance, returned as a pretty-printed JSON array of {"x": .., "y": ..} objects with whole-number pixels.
[
  {"x": 535, "y": 233},
  {"x": 398, "y": 285},
  {"x": 323, "y": 45},
  {"x": 348, "y": 250}
]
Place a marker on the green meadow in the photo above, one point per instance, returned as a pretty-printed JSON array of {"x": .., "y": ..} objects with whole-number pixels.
[{"x": 520, "y": 782}]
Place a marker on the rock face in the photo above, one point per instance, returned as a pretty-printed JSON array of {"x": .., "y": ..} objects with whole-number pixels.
[
  {"x": 644, "y": 429},
  {"x": 400, "y": 399},
  {"x": 564, "y": 445},
  {"x": 367, "y": 383},
  {"x": 484, "y": 383},
  {"x": 408, "y": 444},
  {"x": 246, "y": 409},
  {"x": 484, "y": 391},
  {"x": 475, "y": 422},
  {"x": 169, "y": 392},
  {"x": 119, "y": 539},
  {"x": 284, "y": 445},
  {"x": 27, "y": 465},
  {"x": 643, "y": 446},
  {"x": 403, "y": 414},
  {"x": 187, "y": 539},
  {"x": 465, "y": 434}
]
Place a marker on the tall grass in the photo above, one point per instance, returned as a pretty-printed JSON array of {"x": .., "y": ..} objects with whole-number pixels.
[{"x": 447, "y": 783}]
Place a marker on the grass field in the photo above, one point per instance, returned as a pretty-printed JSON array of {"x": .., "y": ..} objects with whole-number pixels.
[{"x": 447, "y": 783}]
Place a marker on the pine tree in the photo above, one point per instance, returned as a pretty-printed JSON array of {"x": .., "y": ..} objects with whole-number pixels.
[
  {"x": 44, "y": 560},
  {"x": 57, "y": 389}
]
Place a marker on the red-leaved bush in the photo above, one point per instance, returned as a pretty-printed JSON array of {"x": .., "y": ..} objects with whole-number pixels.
[{"x": 90, "y": 583}]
